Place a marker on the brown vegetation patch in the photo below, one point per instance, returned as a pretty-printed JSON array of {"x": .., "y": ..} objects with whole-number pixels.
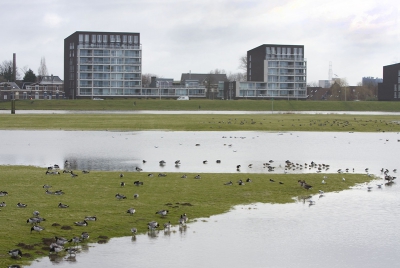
[
  {"x": 66, "y": 227},
  {"x": 40, "y": 253},
  {"x": 26, "y": 255},
  {"x": 102, "y": 241},
  {"x": 55, "y": 224},
  {"x": 48, "y": 241}
]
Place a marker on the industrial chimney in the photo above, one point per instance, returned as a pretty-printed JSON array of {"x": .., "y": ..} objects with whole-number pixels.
[{"x": 14, "y": 67}]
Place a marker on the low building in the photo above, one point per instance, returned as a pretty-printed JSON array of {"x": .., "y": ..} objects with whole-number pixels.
[{"x": 389, "y": 89}]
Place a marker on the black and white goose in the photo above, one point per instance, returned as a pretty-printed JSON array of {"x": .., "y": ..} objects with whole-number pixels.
[
  {"x": 137, "y": 183},
  {"x": 167, "y": 225},
  {"x": 59, "y": 192},
  {"x": 36, "y": 213},
  {"x": 55, "y": 248},
  {"x": 37, "y": 228},
  {"x": 228, "y": 183},
  {"x": 3, "y": 193},
  {"x": 135, "y": 196},
  {"x": 133, "y": 231},
  {"x": 46, "y": 186},
  {"x": 61, "y": 205},
  {"x": 183, "y": 219},
  {"x": 138, "y": 169},
  {"x": 35, "y": 220},
  {"x": 120, "y": 196},
  {"x": 131, "y": 211},
  {"x": 152, "y": 225},
  {"x": 20, "y": 205},
  {"x": 90, "y": 218},
  {"x": 162, "y": 212},
  {"x": 197, "y": 177},
  {"x": 122, "y": 184},
  {"x": 75, "y": 240},
  {"x": 60, "y": 240},
  {"x": 15, "y": 253},
  {"x": 85, "y": 235},
  {"x": 71, "y": 251},
  {"x": 2, "y": 204},
  {"x": 81, "y": 223}
]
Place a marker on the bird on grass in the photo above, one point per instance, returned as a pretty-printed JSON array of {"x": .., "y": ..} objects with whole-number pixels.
[
  {"x": 2, "y": 204},
  {"x": 61, "y": 205},
  {"x": 37, "y": 228},
  {"x": 15, "y": 253},
  {"x": 20, "y": 205},
  {"x": 228, "y": 183},
  {"x": 133, "y": 231},
  {"x": 167, "y": 225},
  {"x": 90, "y": 218},
  {"x": 131, "y": 211},
  {"x": 120, "y": 196},
  {"x": 81, "y": 223},
  {"x": 152, "y": 225},
  {"x": 85, "y": 235},
  {"x": 55, "y": 248},
  {"x": 135, "y": 196},
  {"x": 162, "y": 212}
]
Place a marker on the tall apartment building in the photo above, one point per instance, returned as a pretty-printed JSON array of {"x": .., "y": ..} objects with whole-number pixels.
[
  {"x": 282, "y": 69},
  {"x": 389, "y": 89},
  {"x": 99, "y": 64}
]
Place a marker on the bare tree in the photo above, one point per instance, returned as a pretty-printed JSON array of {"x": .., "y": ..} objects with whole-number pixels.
[
  {"x": 240, "y": 77},
  {"x": 42, "y": 71},
  {"x": 7, "y": 71},
  {"x": 146, "y": 79},
  {"x": 243, "y": 67}
]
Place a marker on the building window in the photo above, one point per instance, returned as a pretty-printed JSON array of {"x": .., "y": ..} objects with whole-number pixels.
[
  {"x": 130, "y": 39},
  {"x": 81, "y": 38},
  {"x": 136, "y": 39},
  {"x": 93, "y": 38},
  {"x": 105, "y": 38},
  {"x": 99, "y": 38},
  {"x": 124, "y": 39},
  {"x": 86, "y": 38},
  {"x": 118, "y": 38},
  {"x": 112, "y": 38}
]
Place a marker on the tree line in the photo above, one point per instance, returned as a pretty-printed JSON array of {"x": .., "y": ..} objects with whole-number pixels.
[{"x": 7, "y": 72}]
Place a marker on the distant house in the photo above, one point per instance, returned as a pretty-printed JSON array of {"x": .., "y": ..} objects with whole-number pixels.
[
  {"x": 209, "y": 81},
  {"x": 318, "y": 93},
  {"x": 389, "y": 89}
]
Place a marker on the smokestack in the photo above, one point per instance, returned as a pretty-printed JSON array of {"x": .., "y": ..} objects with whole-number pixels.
[{"x": 14, "y": 67}]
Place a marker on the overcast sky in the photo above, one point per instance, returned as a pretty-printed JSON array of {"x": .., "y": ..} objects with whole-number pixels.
[{"x": 359, "y": 37}]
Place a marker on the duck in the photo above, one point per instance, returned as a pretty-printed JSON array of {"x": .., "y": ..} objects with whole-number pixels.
[
  {"x": 228, "y": 183},
  {"x": 20, "y": 205},
  {"x": 15, "y": 253},
  {"x": 61, "y": 205},
  {"x": 133, "y": 231},
  {"x": 120, "y": 196},
  {"x": 131, "y": 211},
  {"x": 162, "y": 212},
  {"x": 81, "y": 223},
  {"x": 37, "y": 228},
  {"x": 152, "y": 225},
  {"x": 90, "y": 218}
]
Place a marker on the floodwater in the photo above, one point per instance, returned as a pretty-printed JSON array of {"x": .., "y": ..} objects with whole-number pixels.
[{"x": 353, "y": 228}]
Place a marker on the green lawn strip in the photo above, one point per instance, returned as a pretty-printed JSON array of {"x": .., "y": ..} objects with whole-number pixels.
[
  {"x": 203, "y": 122},
  {"x": 202, "y": 104},
  {"x": 93, "y": 194}
]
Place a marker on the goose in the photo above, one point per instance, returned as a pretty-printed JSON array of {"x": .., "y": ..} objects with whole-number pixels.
[
  {"x": 162, "y": 212},
  {"x": 197, "y": 176},
  {"x": 35, "y": 213},
  {"x": 3, "y": 193},
  {"x": 369, "y": 188},
  {"x": 81, "y": 223},
  {"x": 60, "y": 240},
  {"x": 162, "y": 175},
  {"x": 205, "y": 162},
  {"x": 59, "y": 192},
  {"x": 311, "y": 202},
  {"x": 56, "y": 166},
  {"x": 184, "y": 176},
  {"x": 162, "y": 163},
  {"x": 248, "y": 180},
  {"x": 49, "y": 192},
  {"x": 120, "y": 196},
  {"x": 85, "y": 235},
  {"x": 306, "y": 186},
  {"x": 321, "y": 192},
  {"x": 2, "y": 204},
  {"x": 61, "y": 205},
  {"x": 137, "y": 183},
  {"x": 55, "y": 248},
  {"x": 152, "y": 225},
  {"x": 76, "y": 240},
  {"x": 228, "y": 183},
  {"x": 85, "y": 171},
  {"x": 167, "y": 225},
  {"x": 71, "y": 251},
  {"x": 46, "y": 186},
  {"x": 20, "y": 205},
  {"x": 271, "y": 180},
  {"x": 135, "y": 196},
  {"x": 15, "y": 253},
  {"x": 240, "y": 182},
  {"x": 133, "y": 231},
  {"x": 35, "y": 220},
  {"x": 280, "y": 182},
  {"x": 379, "y": 185},
  {"x": 238, "y": 166},
  {"x": 218, "y": 161},
  {"x": 184, "y": 218},
  {"x": 177, "y": 162},
  {"x": 131, "y": 211},
  {"x": 73, "y": 175},
  {"x": 250, "y": 165},
  {"x": 121, "y": 175},
  {"x": 138, "y": 169},
  {"x": 90, "y": 218},
  {"x": 150, "y": 175},
  {"x": 144, "y": 161},
  {"x": 122, "y": 184},
  {"x": 14, "y": 266},
  {"x": 37, "y": 228}
]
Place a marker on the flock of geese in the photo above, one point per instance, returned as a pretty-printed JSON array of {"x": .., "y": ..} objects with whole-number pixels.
[{"x": 60, "y": 244}]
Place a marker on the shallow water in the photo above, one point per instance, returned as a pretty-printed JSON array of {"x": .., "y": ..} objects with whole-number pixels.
[{"x": 124, "y": 151}]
